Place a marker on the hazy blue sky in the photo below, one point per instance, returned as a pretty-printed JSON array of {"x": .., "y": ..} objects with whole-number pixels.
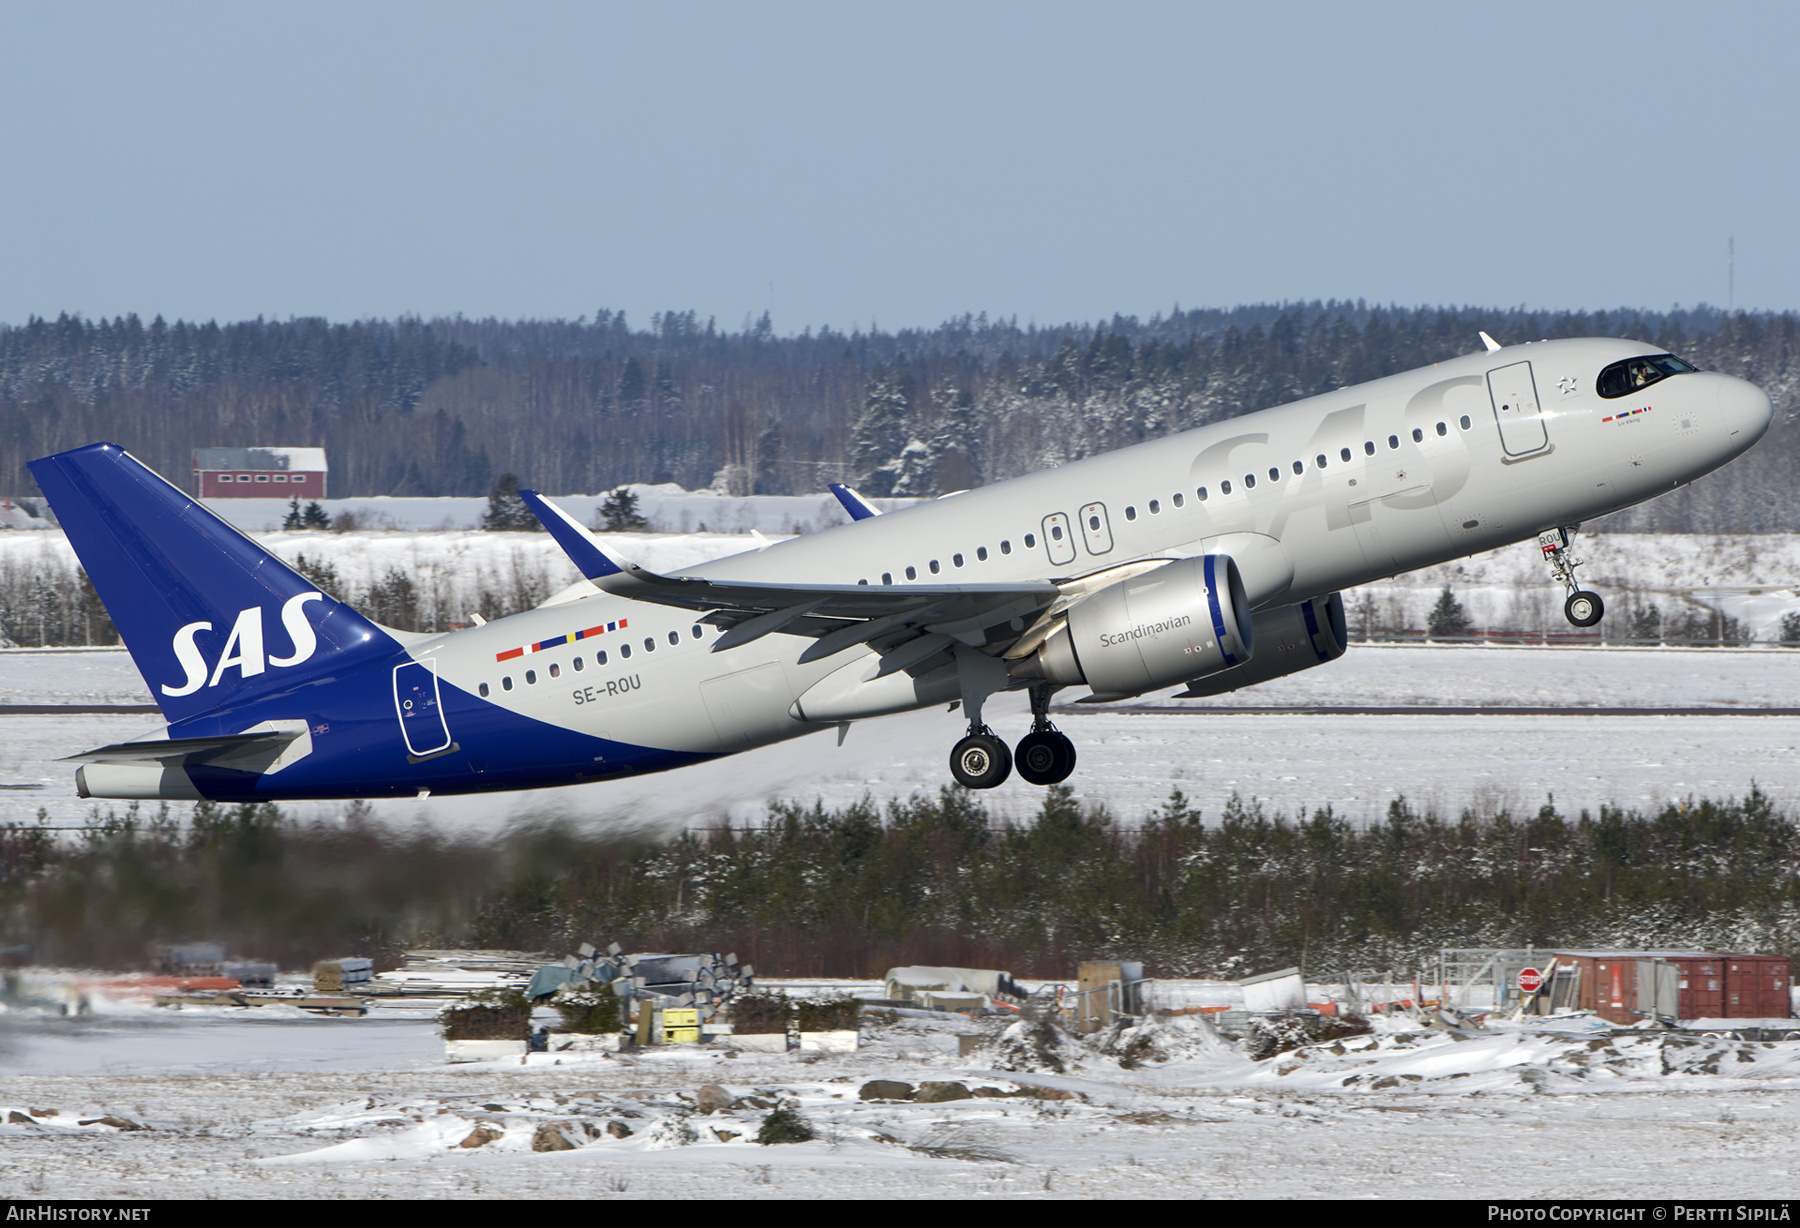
[{"x": 842, "y": 163}]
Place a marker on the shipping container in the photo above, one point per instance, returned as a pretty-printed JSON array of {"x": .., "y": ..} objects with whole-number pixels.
[{"x": 1757, "y": 987}]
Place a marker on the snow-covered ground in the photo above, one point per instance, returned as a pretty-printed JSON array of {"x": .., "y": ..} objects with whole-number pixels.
[
  {"x": 1131, "y": 759},
  {"x": 138, "y": 1103}
]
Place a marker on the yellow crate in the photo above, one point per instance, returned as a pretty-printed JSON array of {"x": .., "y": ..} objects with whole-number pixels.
[
  {"x": 681, "y": 1036},
  {"x": 681, "y": 1017}
]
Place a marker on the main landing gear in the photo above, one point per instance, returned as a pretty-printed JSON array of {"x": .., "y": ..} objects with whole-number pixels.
[
  {"x": 1583, "y": 608},
  {"x": 1045, "y": 756}
]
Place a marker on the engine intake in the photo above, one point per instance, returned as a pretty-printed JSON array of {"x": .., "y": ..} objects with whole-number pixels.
[{"x": 1181, "y": 621}]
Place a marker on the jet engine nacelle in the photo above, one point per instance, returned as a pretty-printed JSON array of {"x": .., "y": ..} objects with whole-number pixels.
[
  {"x": 1288, "y": 640},
  {"x": 1178, "y": 622}
]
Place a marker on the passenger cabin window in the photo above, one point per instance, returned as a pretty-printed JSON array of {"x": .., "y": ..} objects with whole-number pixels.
[
  {"x": 1031, "y": 541},
  {"x": 580, "y": 663},
  {"x": 912, "y": 573},
  {"x": 625, "y": 651},
  {"x": 934, "y": 567},
  {"x": 1463, "y": 422},
  {"x": 1006, "y": 547},
  {"x": 1632, "y": 375},
  {"x": 887, "y": 577},
  {"x": 981, "y": 554},
  {"x": 555, "y": 670},
  {"x": 1299, "y": 468},
  {"x": 1249, "y": 481},
  {"x": 600, "y": 657},
  {"x": 1345, "y": 453},
  {"x": 1201, "y": 491},
  {"x": 696, "y": 630},
  {"x": 1393, "y": 441},
  {"x": 1274, "y": 474},
  {"x": 956, "y": 560},
  {"x": 1319, "y": 460},
  {"x": 1368, "y": 447},
  {"x": 1177, "y": 499},
  {"x": 1155, "y": 508},
  {"x": 1419, "y": 436},
  {"x": 1442, "y": 429},
  {"x": 1130, "y": 514},
  {"x": 506, "y": 683},
  {"x": 531, "y": 677},
  {"x": 483, "y": 688},
  {"x": 1225, "y": 487},
  {"x": 675, "y": 636}
]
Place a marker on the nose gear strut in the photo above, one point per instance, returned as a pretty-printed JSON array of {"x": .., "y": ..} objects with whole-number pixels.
[{"x": 1583, "y": 608}]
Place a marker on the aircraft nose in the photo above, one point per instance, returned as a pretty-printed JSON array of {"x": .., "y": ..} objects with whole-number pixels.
[{"x": 1746, "y": 409}]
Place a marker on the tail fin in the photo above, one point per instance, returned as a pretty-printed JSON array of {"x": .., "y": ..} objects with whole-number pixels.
[{"x": 212, "y": 619}]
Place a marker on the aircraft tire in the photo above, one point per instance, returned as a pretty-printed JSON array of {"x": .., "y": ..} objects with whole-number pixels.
[
  {"x": 980, "y": 761},
  {"x": 1584, "y": 609},
  {"x": 1045, "y": 758}
]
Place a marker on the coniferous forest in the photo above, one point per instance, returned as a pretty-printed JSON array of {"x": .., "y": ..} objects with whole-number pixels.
[
  {"x": 927, "y": 880},
  {"x": 448, "y": 406}
]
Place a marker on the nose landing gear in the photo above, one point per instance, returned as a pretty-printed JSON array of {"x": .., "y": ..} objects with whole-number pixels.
[{"x": 1583, "y": 608}]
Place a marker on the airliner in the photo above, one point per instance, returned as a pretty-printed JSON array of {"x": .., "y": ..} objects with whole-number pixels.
[{"x": 1207, "y": 560}]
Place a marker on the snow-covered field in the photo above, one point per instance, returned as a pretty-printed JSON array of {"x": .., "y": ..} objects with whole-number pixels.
[
  {"x": 1131, "y": 759},
  {"x": 137, "y": 1103}
]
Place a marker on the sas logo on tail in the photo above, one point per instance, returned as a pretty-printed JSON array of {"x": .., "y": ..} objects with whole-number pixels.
[{"x": 244, "y": 647}]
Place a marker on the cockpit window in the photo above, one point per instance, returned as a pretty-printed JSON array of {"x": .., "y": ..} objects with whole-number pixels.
[{"x": 1632, "y": 375}]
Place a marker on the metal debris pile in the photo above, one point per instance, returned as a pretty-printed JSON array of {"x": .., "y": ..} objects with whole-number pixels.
[{"x": 705, "y": 981}]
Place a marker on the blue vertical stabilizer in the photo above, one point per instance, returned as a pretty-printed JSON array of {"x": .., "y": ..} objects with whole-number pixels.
[{"x": 212, "y": 619}]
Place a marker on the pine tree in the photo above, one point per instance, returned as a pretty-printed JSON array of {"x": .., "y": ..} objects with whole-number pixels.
[
  {"x": 322, "y": 576},
  {"x": 1448, "y": 618},
  {"x": 507, "y": 512},
  {"x": 880, "y": 433},
  {"x": 315, "y": 517},
  {"x": 294, "y": 520},
  {"x": 619, "y": 514}
]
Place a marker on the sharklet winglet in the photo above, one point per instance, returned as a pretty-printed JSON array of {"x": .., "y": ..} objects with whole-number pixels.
[
  {"x": 858, "y": 507},
  {"x": 576, "y": 542}
]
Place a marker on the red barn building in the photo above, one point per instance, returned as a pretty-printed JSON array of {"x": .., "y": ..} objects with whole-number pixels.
[{"x": 259, "y": 473}]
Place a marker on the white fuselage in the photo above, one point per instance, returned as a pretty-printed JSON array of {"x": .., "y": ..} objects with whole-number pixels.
[{"x": 1309, "y": 498}]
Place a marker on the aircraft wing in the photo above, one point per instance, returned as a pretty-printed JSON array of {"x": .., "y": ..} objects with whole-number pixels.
[{"x": 838, "y": 616}]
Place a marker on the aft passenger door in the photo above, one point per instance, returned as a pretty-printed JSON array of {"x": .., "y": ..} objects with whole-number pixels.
[{"x": 421, "y": 715}]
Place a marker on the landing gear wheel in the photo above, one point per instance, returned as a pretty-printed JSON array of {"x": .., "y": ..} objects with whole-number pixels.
[
  {"x": 1045, "y": 757},
  {"x": 1583, "y": 609},
  {"x": 980, "y": 761}
]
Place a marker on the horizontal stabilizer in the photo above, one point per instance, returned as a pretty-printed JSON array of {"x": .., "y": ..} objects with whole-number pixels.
[{"x": 185, "y": 750}]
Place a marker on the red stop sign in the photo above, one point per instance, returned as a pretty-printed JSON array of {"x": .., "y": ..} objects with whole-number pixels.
[{"x": 1530, "y": 980}]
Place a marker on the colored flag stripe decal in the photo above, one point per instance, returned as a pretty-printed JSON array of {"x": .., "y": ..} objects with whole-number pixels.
[
  {"x": 1627, "y": 414},
  {"x": 559, "y": 640}
]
